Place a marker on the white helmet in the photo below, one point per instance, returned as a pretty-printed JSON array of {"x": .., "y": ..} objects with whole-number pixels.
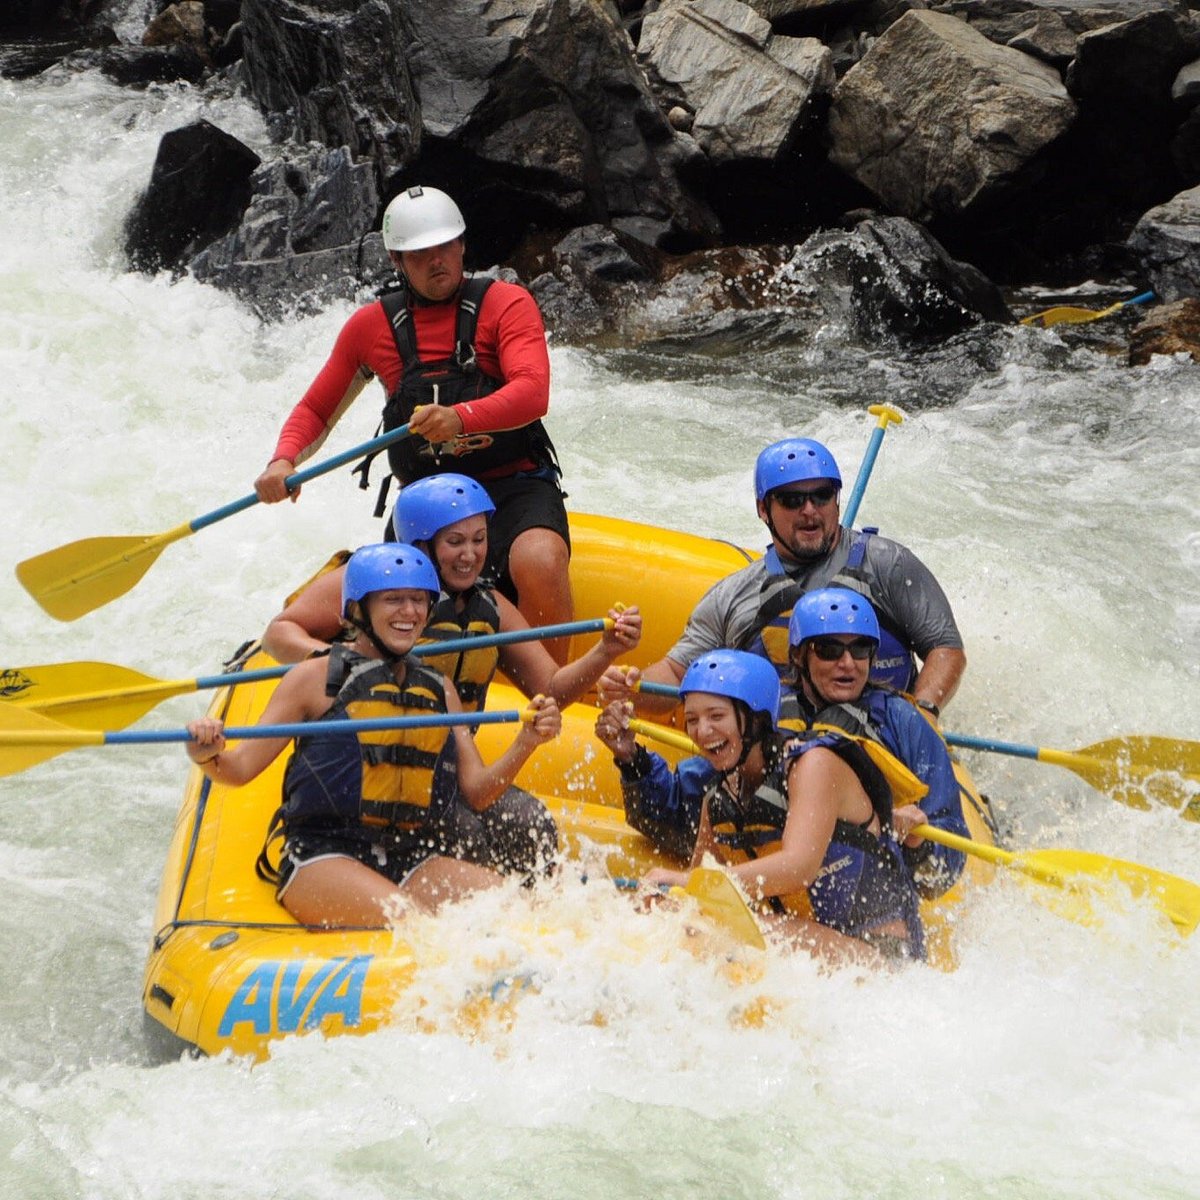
[{"x": 421, "y": 217}]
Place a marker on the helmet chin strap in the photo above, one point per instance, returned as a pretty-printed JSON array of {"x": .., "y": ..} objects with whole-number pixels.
[
  {"x": 801, "y": 556},
  {"x": 745, "y": 720},
  {"x": 363, "y": 625}
]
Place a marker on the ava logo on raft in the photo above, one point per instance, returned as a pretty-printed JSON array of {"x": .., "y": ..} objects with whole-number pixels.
[{"x": 277, "y": 998}]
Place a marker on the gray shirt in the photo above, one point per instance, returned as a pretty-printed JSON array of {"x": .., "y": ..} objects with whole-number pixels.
[{"x": 901, "y": 587}]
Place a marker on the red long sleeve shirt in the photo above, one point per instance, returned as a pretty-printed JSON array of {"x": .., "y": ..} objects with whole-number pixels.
[{"x": 510, "y": 344}]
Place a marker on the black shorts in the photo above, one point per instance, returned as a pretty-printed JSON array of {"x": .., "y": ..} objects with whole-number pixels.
[
  {"x": 527, "y": 500},
  {"x": 395, "y": 855}
]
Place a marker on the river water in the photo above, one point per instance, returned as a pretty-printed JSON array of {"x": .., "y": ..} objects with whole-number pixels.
[{"x": 1053, "y": 491}]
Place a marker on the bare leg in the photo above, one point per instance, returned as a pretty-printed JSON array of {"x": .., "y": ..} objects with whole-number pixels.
[
  {"x": 339, "y": 892},
  {"x": 827, "y": 945},
  {"x": 538, "y": 562}
]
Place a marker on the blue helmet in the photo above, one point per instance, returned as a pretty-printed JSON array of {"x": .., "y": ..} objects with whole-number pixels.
[
  {"x": 739, "y": 675},
  {"x": 432, "y": 503},
  {"x": 832, "y": 610},
  {"x": 793, "y": 460},
  {"x": 388, "y": 565}
]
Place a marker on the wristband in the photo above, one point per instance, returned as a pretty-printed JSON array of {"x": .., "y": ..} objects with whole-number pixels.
[{"x": 929, "y": 707}]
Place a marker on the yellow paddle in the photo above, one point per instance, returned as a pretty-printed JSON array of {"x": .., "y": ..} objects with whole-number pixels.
[
  {"x": 81, "y": 576},
  {"x": 1129, "y": 769},
  {"x": 1065, "y": 314},
  {"x": 717, "y": 897},
  {"x": 1082, "y": 876},
  {"x": 96, "y": 695},
  {"x": 27, "y": 738},
  {"x": 668, "y": 737}
]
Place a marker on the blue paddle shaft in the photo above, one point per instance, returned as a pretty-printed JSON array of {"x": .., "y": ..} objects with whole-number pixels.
[
  {"x": 294, "y": 481},
  {"x": 658, "y": 689},
  {"x": 318, "y": 728},
  {"x": 454, "y": 646},
  {"x": 864, "y": 474},
  {"x": 967, "y": 742}
]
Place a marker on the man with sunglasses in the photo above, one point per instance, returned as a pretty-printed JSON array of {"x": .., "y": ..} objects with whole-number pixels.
[
  {"x": 797, "y": 485},
  {"x": 833, "y": 637}
]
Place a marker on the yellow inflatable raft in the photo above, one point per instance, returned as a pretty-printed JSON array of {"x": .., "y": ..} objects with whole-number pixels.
[{"x": 230, "y": 970}]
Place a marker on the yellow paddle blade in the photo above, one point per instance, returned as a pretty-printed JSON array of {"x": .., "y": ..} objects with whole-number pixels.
[
  {"x": 1139, "y": 769},
  {"x": 27, "y": 738},
  {"x": 1064, "y": 314},
  {"x": 1084, "y": 878},
  {"x": 87, "y": 695},
  {"x": 718, "y": 899},
  {"x": 1094, "y": 874},
  {"x": 85, "y": 575}
]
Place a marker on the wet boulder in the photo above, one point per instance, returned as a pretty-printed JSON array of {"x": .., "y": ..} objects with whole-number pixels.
[
  {"x": 749, "y": 90},
  {"x": 199, "y": 188},
  {"x": 307, "y": 236},
  {"x": 888, "y": 276},
  {"x": 538, "y": 108},
  {"x": 1169, "y": 329},
  {"x": 333, "y": 72},
  {"x": 936, "y": 118},
  {"x": 1166, "y": 242}
]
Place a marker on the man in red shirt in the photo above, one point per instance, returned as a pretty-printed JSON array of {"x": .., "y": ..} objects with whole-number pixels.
[{"x": 464, "y": 363}]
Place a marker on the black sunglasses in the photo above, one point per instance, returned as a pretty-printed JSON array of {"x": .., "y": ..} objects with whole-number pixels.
[
  {"x": 819, "y": 496},
  {"x": 830, "y": 649}
]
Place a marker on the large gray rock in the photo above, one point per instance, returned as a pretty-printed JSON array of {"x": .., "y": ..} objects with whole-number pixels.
[
  {"x": 538, "y": 106},
  {"x": 198, "y": 190},
  {"x": 1167, "y": 243},
  {"x": 307, "y": 236},
  {"x": 936, "y": 118},
  {"x": 1134, "y": 61},
  {"x": 333, "y": 72},
  {"x": 748, "y": 89}
]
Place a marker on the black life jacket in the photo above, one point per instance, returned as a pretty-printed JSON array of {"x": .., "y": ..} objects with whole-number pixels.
[
  {"x": 470, "y": 670},
  {"x": 863, "y": 882},
  {"x": 450, "y": 381}
]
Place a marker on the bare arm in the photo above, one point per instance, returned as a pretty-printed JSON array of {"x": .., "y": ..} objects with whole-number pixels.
[
  {"x": 309, "y": 623},
  {"x": 939, "y": 675},
  {"x": 481, "y": 784},
  {"x": 300, "y": 696},
  {"x": 534, "y": 671}
]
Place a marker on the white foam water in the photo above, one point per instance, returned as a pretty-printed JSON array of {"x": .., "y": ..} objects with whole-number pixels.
[{"x": 1051, "y": 489}]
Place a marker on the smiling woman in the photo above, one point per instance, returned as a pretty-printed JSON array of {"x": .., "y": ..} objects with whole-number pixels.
[{"x": 369, "y": 824}]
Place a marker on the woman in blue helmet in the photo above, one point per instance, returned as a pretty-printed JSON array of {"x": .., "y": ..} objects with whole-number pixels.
[
  {"x": 801, "y": 821},
  {"x": 446, "y": 516},
  {"x": 364, "y": 819},
  {"x": 833, "y": 639}
]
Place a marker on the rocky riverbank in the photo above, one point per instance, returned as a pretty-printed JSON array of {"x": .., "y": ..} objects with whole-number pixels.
[{"x": 698, "y": 171}]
